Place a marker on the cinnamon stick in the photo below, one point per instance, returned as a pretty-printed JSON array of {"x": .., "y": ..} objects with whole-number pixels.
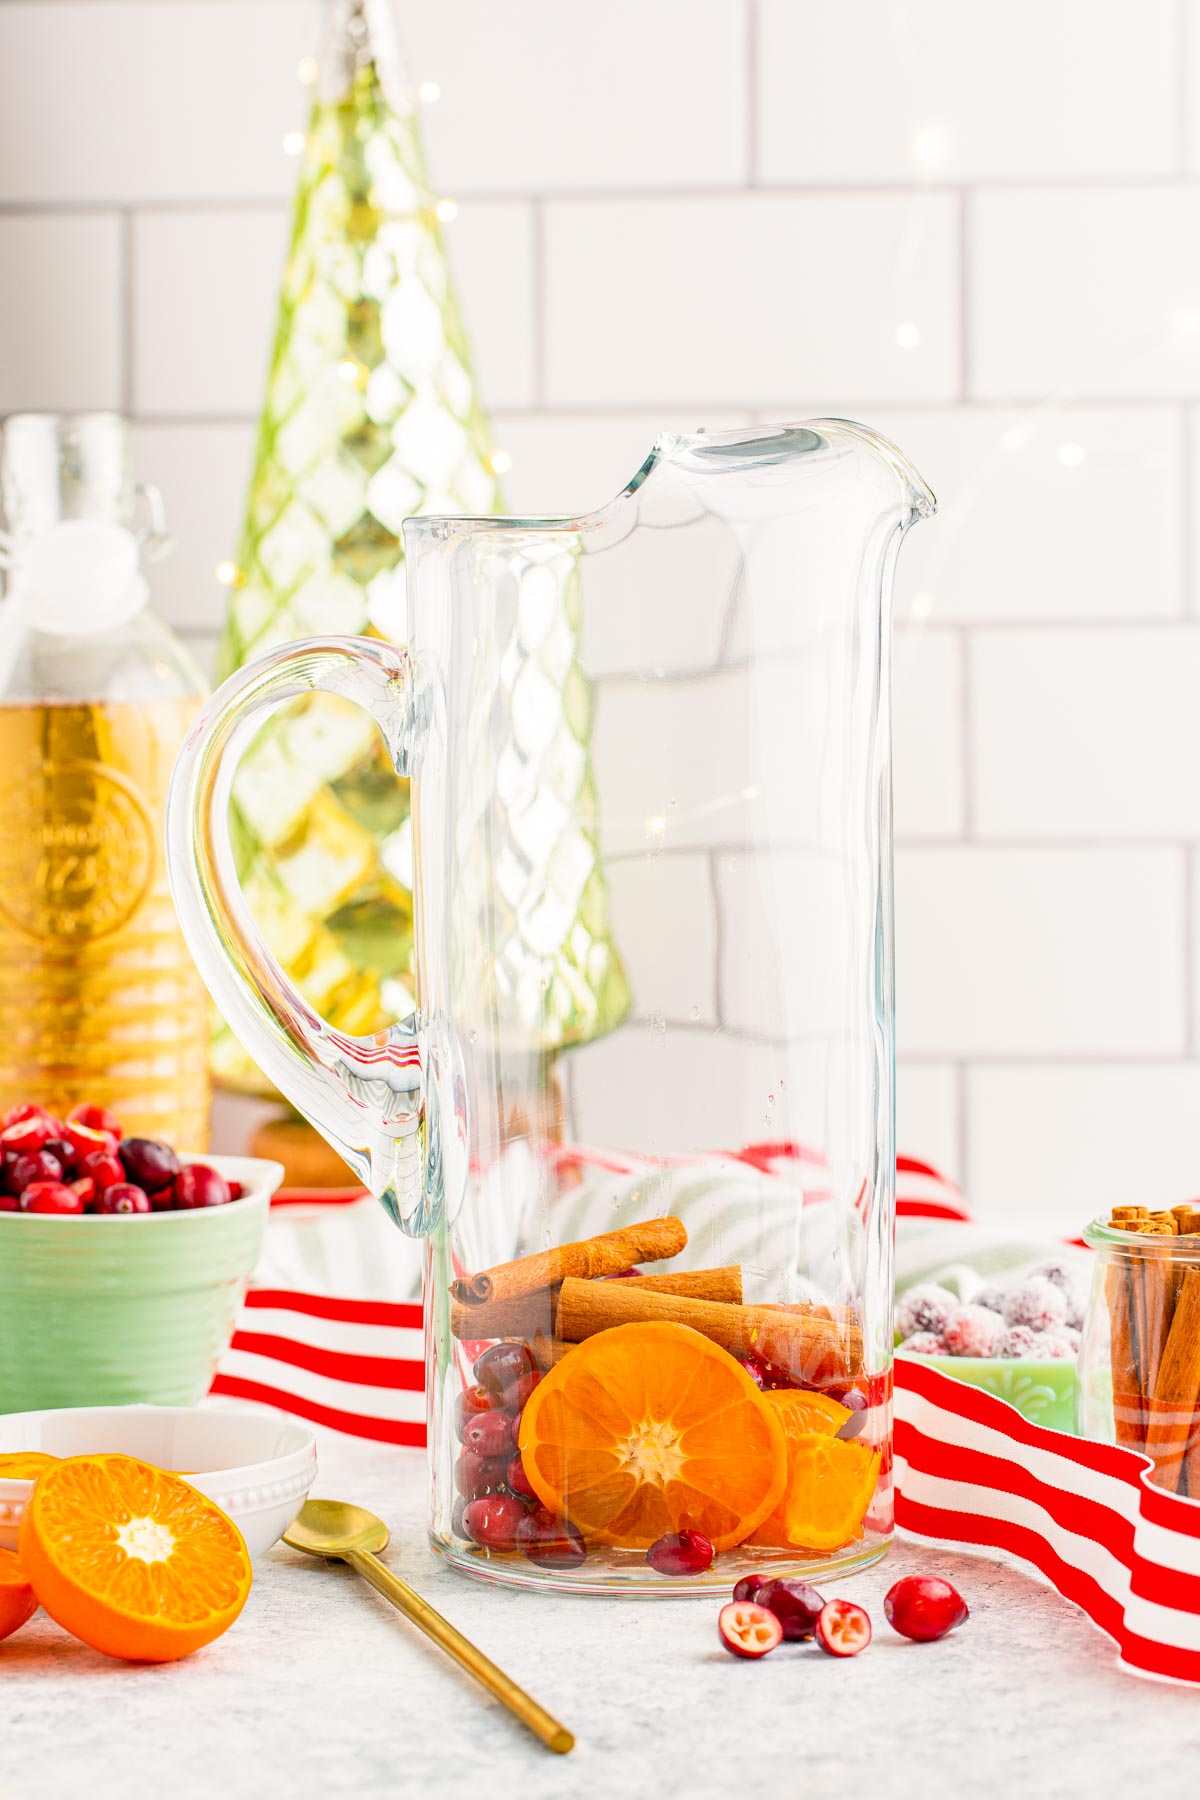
[
  {"x": 1170, "y": 1421},
  {"x": 649, "y": 1241},
  {"x": 1126, "y": 1383},
  {"x": 809, "y": 1343},
  {"x": 533, "y": 1313}
]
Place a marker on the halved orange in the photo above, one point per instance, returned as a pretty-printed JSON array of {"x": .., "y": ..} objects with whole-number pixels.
[
  {"x": 829, "y": 1487},
  {"x": 650, "y": 1428},
  {"x": 132, "y": 1560},
  {"x": 24, "y": 1465},
  {"x": 801, "y": 1410},
  {"x": 18, "y": 1602}
]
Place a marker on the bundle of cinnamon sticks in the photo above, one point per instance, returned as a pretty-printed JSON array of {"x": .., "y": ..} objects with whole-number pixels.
[
  {"x": 1153, "y": 1294},
  {"x": 559, "y": 1297}
]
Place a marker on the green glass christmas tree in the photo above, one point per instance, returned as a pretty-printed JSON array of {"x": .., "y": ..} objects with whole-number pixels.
[{"x": 371, "y": 415}]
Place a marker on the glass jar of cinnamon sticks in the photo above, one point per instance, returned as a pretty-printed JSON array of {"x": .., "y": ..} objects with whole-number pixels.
[{"x": 1140, "y": 1357}]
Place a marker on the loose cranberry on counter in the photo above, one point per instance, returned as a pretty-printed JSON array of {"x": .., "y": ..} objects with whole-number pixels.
[
  {"x": 83, "y": 1140},
  {"x": 501, "y": 1367},
  {"x": 470, "y": 1402},
  {"x": 148, "y": 1164},
  {"x": 104, "y": 1168},
  {"x": 516, "y": 1479},
  {"x": 50, "y": 1197},
  {"x": 748, "y": 1630},
  {"x": 795, "y": 1605},
  {"x": 924, "y": 1608},
  {"x": 493, "y": 1521},
  {"x": 122, "y": 1198},
  {"x": 681, "y": 1553},
  {"x": 96, "y": 1118},
  {"x": 490, "y": 1434},
  {"x": 551, "y": 1542},
  {"x": 35, "y": 1165},
  {"x": 198, "y": 1185},
  {"x": 30, "y": 1133},
  {"x": 842, "y": 1629},
  {"x": 475, "y": 1475}
]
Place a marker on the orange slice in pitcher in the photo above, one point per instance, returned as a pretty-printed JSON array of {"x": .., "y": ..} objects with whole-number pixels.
[
  {"x": 829, "y": 1488},
  {"x": 131, "y": 1560},
  {"x": 24, "y": 1465},
  {"x": 18, "y": 1602},
  {"x": 801, "y": 1411},
  {"x": 650, "y": 1428}
]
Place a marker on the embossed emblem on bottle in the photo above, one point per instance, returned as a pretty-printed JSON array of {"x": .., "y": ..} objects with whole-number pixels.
[{"x": 76, "y": 852}]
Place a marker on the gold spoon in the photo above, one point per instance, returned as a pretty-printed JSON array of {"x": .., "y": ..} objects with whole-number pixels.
[{"x": 348, "y": 1533}]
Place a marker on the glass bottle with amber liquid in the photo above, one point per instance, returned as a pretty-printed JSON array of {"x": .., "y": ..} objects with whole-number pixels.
[{"x": 99, "y": 999}]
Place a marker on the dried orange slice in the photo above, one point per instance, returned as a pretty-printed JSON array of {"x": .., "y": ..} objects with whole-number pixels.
[
  {"x": 18, "y": 1603},
  {"x": 650, "y": 1428},
  {"x": 829, "y": 1487},
  {"x": 24, "y": 1465},
  {"x": 133, "y": 1561}
]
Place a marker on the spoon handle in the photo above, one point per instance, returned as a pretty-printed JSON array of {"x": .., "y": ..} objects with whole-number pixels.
[{"x": 406, "y": 1600}]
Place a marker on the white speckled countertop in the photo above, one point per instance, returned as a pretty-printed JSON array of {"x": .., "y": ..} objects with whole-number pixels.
[{"x": 321, "y": 1689}]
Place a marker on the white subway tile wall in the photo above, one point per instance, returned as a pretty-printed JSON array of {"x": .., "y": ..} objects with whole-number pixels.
[{"x": 701, "y": 212}]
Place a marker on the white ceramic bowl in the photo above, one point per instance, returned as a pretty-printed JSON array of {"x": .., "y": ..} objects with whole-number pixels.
[{"x": 258, "y": 1466}]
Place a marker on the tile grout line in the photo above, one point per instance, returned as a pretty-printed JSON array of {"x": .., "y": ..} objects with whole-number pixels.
[
  {"x": 537, "y": 250},
  {"x": 125, "y": 314},
  {"x": 964, "y": 295},
  {"x": 1191, "y": 1045}
]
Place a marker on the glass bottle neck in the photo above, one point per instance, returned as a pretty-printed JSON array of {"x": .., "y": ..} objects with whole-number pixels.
[
  {"x": 356, "y": 34},
  {"x": 58, "y": 467}
]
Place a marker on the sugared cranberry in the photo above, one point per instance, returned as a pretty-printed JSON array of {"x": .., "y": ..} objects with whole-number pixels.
[
  {"x": 104, "y": 1168},
  {"x": 501, "y": 1367},
  {"x": 35, "y": 1165},
  {"x": 467, "y": 1406},
  {"x": 842, "y": 1629},
  {"x": 121, "y": 1198},
  {"x": 96, "y": 1118},
  {"x": 149, "y": 1165},
  {"x": 681, "y": 1553},
  {"x": 490, "y": 1434},
  {"x": 924, "y": 1608},
  {"x": 794, "y": 1604},
  {"x": 50, "y": 1197},
  {"x": 494, "y": 1521},
  {"x": 850, "y": 1428},
  {"x": 516, "y": 1479},
  {"x": 748, "y": 1630},
  {"x": 30, "y": 1133},
  {"x": 475, "y": 1476},
  {"x": 198, "y": 1185},
  {"x": 754, "y": 1370},
  {"x": 747, "y": 1588},
  {"x": 84, "y": 1140},
  {"x": 551, "y": 1542}
]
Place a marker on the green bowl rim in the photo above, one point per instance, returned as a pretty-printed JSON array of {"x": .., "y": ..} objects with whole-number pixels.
[{"x": 270, "y": 1177}]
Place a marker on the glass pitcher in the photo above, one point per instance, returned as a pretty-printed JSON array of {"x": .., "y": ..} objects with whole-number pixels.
[{"x": 643, "y": 1116}]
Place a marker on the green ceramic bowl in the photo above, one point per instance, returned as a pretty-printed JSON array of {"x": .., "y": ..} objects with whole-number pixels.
[
  {"x": 1044, "y": 1392},
  {"x": 98, "y": 1311}
]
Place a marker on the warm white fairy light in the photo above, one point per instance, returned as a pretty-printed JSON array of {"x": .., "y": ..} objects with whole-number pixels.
[
  {"x": 307, "y": 70},
  {"x": 228, "y": 574},
  {"x": 293, "y": 143},
  {"x": 501, "y": 462},
  {"x": 446, "y": 210},
  {"x": 907, "y": 336},
  {"x": 349, "y": 370},
  {"x": 429, "y": 92}
]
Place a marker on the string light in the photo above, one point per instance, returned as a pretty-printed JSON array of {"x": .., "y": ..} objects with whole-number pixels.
[
  {"x": 446, "y": 210},
  {"x": 907, "y": 336},
  {"x": 228, "y": 574},
  {"x": 429, "y": 91},
  {"x": 293, "y": 143},
  {"x": 501, "y": 462},
  {"x": 307, "y": 70},
  {"x": 351, "y": 371}
]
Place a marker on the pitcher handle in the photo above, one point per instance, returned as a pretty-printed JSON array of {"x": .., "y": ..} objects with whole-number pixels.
[{"x": 366, "y": 1095}]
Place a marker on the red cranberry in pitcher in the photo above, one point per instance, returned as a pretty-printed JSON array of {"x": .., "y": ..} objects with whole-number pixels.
[
  {"x": 475, "y": 1476},
  {"x": 501, "y": 1368},
  {"x": 494, "y": 1521},
  {"x": 550, "y": 1542},
  {"x": 490, "y": 1434},
  {"x": 680, "y": 1553},
  {"x": 467, "y": 1406}
]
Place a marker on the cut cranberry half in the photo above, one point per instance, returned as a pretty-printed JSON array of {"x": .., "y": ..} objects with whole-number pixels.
[
  {"x": 842, "y": 1628},
  {"x": 30, "y": 1133},
  {"x": 924, "y": 1608},
  {"x": 748, "y": 1630},
  {"x": 551, "y": 1542},
  {"x": 96, "y": 1118},
  {"x": 796, "y": 1605},
  {"x": 681, "y": 1553},
  {"x": 84, "y": 1140}
]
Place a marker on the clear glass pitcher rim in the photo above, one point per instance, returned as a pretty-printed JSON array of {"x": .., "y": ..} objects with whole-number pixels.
[{"x": 676, "y": 447}]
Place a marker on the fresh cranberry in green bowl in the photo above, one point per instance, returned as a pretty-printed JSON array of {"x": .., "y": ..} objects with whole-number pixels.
[{"x": 114, "y": 1306}]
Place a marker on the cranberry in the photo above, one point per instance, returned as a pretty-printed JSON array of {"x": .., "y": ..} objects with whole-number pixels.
[
  {"x": 794, "y": 1604},
  {"x": 469, "y": 1403},
  {"x": 754, "y": 1370},
  {"x": 198, "y": 1185},
  {"x": 490, "y": 1434},
  {"x": 748, "y": 1630},
  {"x": 25, "y": 1110},
  {"x": 523, "y": 1389},
  {"x": 681, "y": 1553},
  {"x": 83, "y": 1140},
  {"x": 924, "y": 1608},
  {"x": 104, "y": 1168},
  {"x": 50, "y": 1197},
  {"x": 517, "y": 1480},
  {"x": 747, "y": 1588},
  {"x": 9, "y": 1203},
  {"x": 551, "y": 1542},
  {"x": 236, "y": 1190},
  {"x": 842, "y": 1629},
  {"x": 35, "y": 1165},
  {"x": 494, "y": 1521},
  {"x": 456, "y": 1524},
  {"x": 501, "y": 1367},
  {"x": 30, "y": 1134},
  {"x": 64, "y": 1151},
  {"x": 96, "y": 1118},
  {"x": 85, "y": 1187},
  {"x": 122, "y": 1197},
  {"x": 151, "y": 1165},
  {"x": 850, "y": 1428},
  {"x": 475, "y": 1476}
]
